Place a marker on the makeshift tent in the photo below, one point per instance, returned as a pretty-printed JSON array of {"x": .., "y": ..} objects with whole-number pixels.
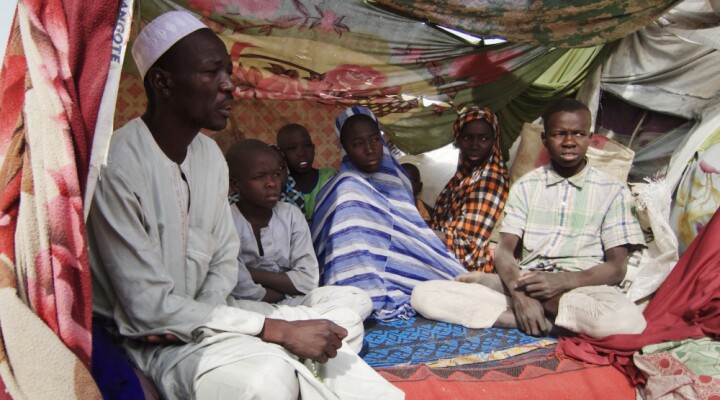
[{"x": 299, "y": 61}]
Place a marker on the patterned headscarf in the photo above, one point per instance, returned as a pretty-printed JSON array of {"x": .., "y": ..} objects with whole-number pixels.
[
  {"x": 471, "y": 203},
  {"x": 474, "y": 114}
]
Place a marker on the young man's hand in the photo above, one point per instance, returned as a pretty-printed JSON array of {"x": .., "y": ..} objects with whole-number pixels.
[
  {"x": 542, "y": 285},
  {"x": 317, "y": 339},
  {"x": 530, "y": 315}
]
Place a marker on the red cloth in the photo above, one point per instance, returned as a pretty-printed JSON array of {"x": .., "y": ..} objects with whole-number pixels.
[
  {"x": 687, "y": 305},
  {"x": 12, "y": 98},
  {"x": 83, "y": 50}
]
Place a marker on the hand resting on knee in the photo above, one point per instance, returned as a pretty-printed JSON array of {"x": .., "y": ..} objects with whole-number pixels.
[{"x": 317, "y": 340}]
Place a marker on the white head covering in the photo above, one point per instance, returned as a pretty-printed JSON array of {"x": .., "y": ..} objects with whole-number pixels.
[{"x": 160, "y": 35}]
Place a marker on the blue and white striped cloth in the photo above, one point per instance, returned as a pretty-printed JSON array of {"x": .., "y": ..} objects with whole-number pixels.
[{"x": 367, "y": 233}]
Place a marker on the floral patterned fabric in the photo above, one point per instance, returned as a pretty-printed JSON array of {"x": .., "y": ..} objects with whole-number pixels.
[
  {"x": 700, "y": 355},
  {"x": 325, "y": 55},
  {"x": 698, "y": 194},
  {"x": 546, "y": 23},
  {"x": 58, "y": 54},
  {"x": 686, "y": 369},
  {"x": 330, "y": 54}
]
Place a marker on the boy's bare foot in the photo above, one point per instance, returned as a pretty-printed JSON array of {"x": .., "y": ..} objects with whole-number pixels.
[
  {"x": 506, "y": 320},
  {"x": 486, "y": 279},
  {"x": 472, "y": 277}
]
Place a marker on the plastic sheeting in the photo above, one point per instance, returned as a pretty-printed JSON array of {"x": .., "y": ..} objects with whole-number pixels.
[
  {"x": 697, "y": 21},
  {"x": 656, "y": 261},
  {"x": 657, "y": 70},
  {"x": 653, "y": 159}
]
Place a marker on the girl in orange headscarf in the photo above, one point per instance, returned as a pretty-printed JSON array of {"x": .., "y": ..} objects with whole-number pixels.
[{"x": 471, "y": 202}]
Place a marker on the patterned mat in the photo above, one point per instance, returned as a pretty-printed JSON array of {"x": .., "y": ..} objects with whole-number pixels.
[{"x": 439, "y": 344}]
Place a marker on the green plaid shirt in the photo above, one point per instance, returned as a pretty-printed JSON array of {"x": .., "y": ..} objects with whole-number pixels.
[{"x": 570, "y": 221}]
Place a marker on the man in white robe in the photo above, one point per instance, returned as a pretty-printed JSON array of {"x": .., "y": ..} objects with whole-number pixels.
[{"x": 163, "y": 248}]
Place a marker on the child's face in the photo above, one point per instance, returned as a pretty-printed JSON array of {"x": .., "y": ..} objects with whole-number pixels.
[
  {"x": 567, "y": 138},
  {"x": 299, "y": 151},
  {"x": 364, "y": 146},
  {"x": 475, "y": 141},
  {"x": 259, "y": 179}
]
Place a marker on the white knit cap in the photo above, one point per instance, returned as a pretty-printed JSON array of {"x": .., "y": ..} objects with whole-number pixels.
[{"x": 160, "y": 35}]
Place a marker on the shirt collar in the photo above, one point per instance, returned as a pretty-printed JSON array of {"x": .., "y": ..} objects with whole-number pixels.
[{"x": 577, "y": 180}]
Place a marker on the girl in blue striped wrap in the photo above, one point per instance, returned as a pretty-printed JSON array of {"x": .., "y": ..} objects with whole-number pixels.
[{"x": 367, "y": 232}]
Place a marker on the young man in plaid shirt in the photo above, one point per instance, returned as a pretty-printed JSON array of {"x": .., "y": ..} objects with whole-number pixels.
[{"x": 574, "y": 227}]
